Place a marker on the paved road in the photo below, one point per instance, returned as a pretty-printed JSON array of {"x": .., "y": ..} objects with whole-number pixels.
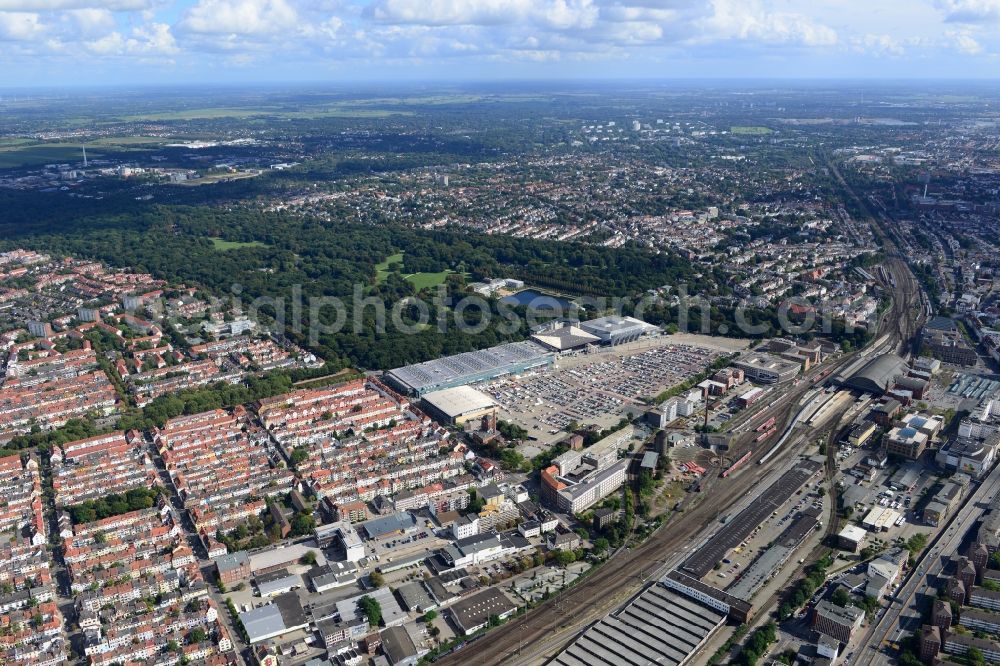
[
  {"x": 677, "y": 540},
  {"x": 903, "y": 615}
]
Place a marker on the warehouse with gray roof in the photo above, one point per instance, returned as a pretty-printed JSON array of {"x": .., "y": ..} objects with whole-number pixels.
[
  {"x": 660, "y": 626},
  {"x": 470, "y": 367}
]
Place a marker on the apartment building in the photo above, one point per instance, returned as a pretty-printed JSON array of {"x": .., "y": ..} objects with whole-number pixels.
[
  {"x": 217, "y": 460},
  {"x": 363, "y": 441},
  {"x": 93, "y": 467}
]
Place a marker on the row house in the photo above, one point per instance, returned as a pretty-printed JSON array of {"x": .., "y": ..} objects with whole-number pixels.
[
  {"x": 209, "y": 520},
  {"x": 24, "y": 564},
  {"x": 21, "y": 508},
  {"x": 149, "y": 585},
  {"x": 120, "y": 462},
  {"x": 53, "y": 403},
  {"x": 28, "y": 635},
  {"x": 160, "y": 625}
]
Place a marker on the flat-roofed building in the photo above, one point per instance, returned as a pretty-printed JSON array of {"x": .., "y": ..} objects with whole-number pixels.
[
  {"x": 284, "y": 615},
  {"x": 839, "y": 622},
  {"x": 851, "y": 538},
  {"x": 766, "y": 368},
  {"x": 401, "y": 522},
  {"x": 861, "y": 433},
  {"x": 906, "y": 442},
  {"x": 470, "y": 367},
  {"x": 273, "y": 559},
  {"x": 972, "y": 456},
  {"x": 660, "y": 626},
  {"x": 615, "y": 330},
  {"x": 565, "y": 338},
  {"x": 472, "y": 614},
  {"x": 880, "y": 519},
  {"x": 457, "y": 405}
]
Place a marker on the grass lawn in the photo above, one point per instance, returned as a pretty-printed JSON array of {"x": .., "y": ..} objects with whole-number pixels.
[
  {"x": 223, "y": 245},
  {"x": 425, "y": 280},
  {"x": 383, "y": 268},
  {"x": 418, "y": 280}
]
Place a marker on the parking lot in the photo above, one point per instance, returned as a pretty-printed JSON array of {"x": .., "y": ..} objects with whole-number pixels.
[
  {"x": 878, "y": 494},
  {"x": 594, "y": 388},
  {"x": 395, "y": 548}
]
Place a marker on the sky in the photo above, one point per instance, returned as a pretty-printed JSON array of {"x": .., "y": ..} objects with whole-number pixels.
[{"x": 136, "y": 42}]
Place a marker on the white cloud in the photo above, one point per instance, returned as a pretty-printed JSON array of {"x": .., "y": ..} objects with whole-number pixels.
[
  {"x": 107, "y": 45},
  {"x": 752, "y": 20},
  {"x": 20, "y": 26},
  {"x": 91, "y": 21},
  {"x": 58, "y": 5},
  {"x": 970, "y": 11},
  {"x": 634, "y": 32},
  {"x": 385, "y": 34},
  {"x": 964, "y": 42},
  {"x": 153, "y": 39},
  {"x": 240, "y": 17},
  {"x": 878, "y": 45},
  {"x": 556, "y": 14}
]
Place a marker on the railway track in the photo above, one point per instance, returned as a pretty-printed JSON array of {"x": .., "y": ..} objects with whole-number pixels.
[{"x": 541, "y": 633}]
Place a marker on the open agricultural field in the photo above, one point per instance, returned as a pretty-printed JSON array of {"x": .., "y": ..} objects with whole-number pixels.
[{"x": 210, "y": 113}]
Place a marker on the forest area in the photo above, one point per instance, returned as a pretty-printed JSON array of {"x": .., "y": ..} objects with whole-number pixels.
[{"x": 319, "y": 259}]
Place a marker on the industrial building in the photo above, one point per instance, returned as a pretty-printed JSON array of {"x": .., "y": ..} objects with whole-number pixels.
[
  {"x": 396, "y": 524},
  {"x": 280, "y": 557},
  {"x": 660, "y": 626},
  {"x": 283, "y": 616},
  {"x": 616, "y": 330},
  {"x": 737, "y": 609},
  {"x": 469, "y": 367},
  {"x": 739, "y": 527},
  {"x": 766, "y": 368},
  {"x": 769, "y": 562},
  {"x": 472, "y": 614},
  {"x": 880, "y": 519},
  {"x": 943, "y": 339},
  {"x": 457, "y": 405}
]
